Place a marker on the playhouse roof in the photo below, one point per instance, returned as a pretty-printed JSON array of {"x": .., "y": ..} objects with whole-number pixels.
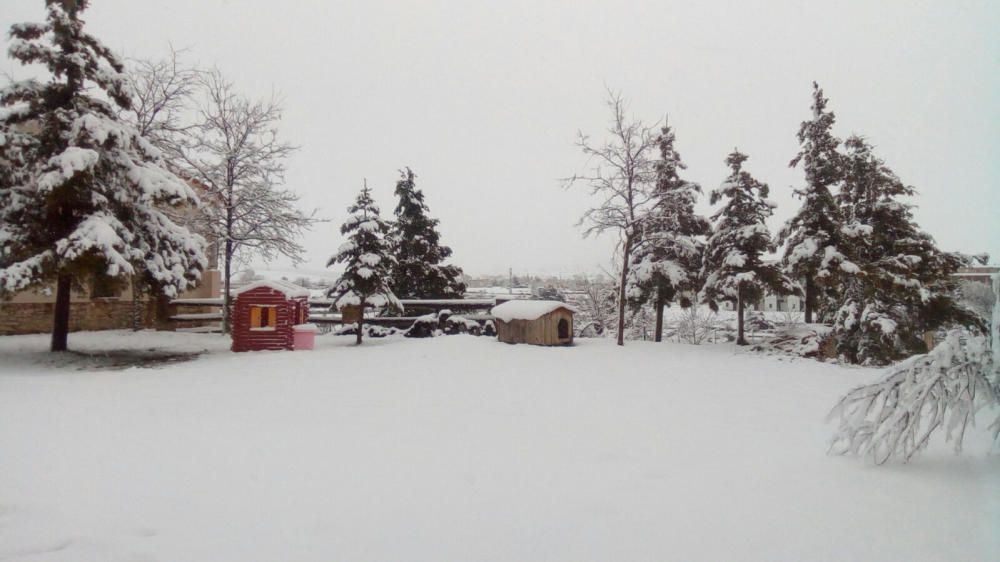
[
  {"x": 290, "y": 290},
  {"x": 527, "y": 310}
]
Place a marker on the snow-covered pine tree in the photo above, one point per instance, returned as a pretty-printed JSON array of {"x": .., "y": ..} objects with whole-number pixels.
[
  {"x": 419, "y": 272},
  {"x": 733, "y": 266},
  {"x": 667, "y": 260},
  {"x": 162, "y": 92},
  {"x": 367, "y": 259},
  {"x": 905, "y": 287},
  {"x": 82, "y": 194},
  {"x": 815, "y": 251}
]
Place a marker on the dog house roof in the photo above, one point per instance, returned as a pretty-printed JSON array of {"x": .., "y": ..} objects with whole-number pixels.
[{"x": 527, "y": 309}]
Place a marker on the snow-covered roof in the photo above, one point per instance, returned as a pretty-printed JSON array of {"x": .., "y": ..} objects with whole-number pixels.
[
  {"x": 290, "y": 290},
  {"x": 527, "y": 310}
]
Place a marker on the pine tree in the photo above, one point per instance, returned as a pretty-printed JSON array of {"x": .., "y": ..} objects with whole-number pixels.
[
  {"x": 734, "y": 269},
  {"x": 82, "y": 194},
  {"x": 367, "y": 259},
  {"x": 814, "y": 248},
  {"x": 667, "y": 260},
  {"x": 419, "y": 272},
  {"x": 905, "y": 285}
]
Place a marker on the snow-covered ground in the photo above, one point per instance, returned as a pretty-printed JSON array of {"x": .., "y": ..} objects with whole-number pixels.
[{"x": 460, "y": 448}]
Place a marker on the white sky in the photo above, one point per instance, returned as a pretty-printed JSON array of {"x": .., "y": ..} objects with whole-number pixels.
[{"x": 484, "y": 101}]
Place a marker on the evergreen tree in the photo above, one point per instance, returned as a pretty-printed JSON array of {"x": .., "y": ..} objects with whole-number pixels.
[
  {"x": 905, "y": 286},
  {"x": 419, "y": 272},
  {"x": 82, "y": 194},
  {"x": 733, "y": 266},
  {"x": 814, "y": 247},
  {"x": 367, "y": 259},
  {"x": 667, "y": 260}
]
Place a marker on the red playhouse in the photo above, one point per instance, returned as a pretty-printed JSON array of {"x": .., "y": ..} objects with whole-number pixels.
[{"x": 271, "y": 315}]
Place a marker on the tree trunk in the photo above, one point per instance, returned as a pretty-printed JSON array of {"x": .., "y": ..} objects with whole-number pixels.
[
  {"x": 136, "y": 304},
  {"x": 60, "y": 323},
  {"x": 621, "y": 291},
  {"x": 227, "y": 271},
  {"x": 810, "y": 298},
  {"x": 659, "y": 317},
  {"x": 740, "y": 340},
  {"x": 361, "y": 321}
]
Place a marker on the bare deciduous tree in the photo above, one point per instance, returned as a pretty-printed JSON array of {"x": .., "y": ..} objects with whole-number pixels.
[
  {"x": 621, "y": 176},
  {"x": 235, "y": 154},
  {"x": 162, "y": 93}
]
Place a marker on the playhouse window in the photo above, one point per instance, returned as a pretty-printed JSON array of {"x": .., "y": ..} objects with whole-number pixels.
[{"x": 263, "y": 317}]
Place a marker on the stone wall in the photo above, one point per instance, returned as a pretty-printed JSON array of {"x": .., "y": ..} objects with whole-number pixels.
[{"x": 98, "y": 314}]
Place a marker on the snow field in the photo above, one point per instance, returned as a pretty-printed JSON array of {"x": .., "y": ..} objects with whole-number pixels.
[{"x": 461, "y": 448}]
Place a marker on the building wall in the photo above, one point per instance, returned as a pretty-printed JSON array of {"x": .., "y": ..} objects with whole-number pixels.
[
  {"x": 31, "y": 311},
  {"x": 100, "y": 314}
]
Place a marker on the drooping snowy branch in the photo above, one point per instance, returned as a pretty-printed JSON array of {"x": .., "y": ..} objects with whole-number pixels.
[{"x": 943, "y": 389}]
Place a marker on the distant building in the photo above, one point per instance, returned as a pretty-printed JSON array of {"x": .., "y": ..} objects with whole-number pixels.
[{"x": 977, "y": 273}]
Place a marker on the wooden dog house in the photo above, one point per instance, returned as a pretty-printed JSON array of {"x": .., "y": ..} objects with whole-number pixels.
[
  {"x": 534, "y": 322},
  {"x": 266, "y": 313}
]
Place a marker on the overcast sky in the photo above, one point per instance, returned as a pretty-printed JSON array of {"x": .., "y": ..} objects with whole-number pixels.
[{"x": 483, "y": 101}]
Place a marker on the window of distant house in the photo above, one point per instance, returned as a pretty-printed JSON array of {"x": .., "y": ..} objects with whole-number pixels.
[
  {"x": 563, "y": 329},
  {"x": 103, "y": 286},
  {"x": 263, "y": 317}
]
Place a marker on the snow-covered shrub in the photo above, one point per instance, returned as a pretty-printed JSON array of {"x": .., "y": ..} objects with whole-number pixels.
[
  {"x": 695, "y": 325},
  {"x": 790, "y": 318},
  {"x": 591, "y": 329},
  {"x": 756, "y": 321},
  {"x": 896, "y": 416},
  {"x": 425, "y": 326},
  {"x": 489, "y": 328},
  {"x": 369, "y": 330},
  {"x": 801, "y": 340},
  {"x": 460, "y": 325}
]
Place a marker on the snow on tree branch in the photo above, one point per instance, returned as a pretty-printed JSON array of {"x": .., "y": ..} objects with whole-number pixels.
[{"x": 945, "y": 388}]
